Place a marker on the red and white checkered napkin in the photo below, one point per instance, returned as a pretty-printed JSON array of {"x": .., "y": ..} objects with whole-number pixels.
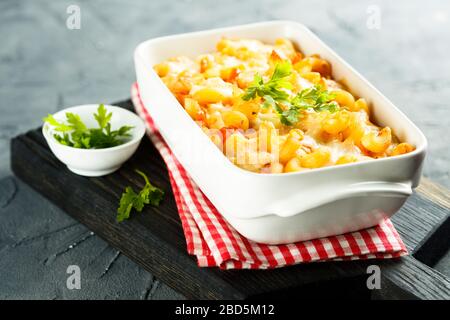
[{"x": 215, "y": 243}]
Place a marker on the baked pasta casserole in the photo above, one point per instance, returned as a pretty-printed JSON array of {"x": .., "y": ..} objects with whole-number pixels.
[{"x": 271, "y": 109}]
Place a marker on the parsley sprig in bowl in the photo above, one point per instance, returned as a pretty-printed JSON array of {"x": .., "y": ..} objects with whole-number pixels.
[
  {"x": 93, "y": 140},
  {"x": 75, "y": 133}
]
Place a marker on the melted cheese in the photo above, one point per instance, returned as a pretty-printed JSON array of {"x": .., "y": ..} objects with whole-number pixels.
[{"x": 210, "y": 87}]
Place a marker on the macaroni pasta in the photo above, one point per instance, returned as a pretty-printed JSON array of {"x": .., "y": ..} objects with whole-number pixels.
[{"x": 262, "y": 131}]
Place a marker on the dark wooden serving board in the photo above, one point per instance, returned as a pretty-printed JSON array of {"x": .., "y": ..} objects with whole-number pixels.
[{"x": 154, "y": 239}]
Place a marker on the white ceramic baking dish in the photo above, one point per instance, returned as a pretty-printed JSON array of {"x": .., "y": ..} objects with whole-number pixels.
[{"x": 288, "y": 207}]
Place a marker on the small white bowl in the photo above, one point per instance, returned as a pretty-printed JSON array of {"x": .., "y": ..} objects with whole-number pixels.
[{"x": 96, "y": 162}]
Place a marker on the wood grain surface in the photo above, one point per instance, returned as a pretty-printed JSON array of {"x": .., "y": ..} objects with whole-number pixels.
[{"x": 154, "y": 239}]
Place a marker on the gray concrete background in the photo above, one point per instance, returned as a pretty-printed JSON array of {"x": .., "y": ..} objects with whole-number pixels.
[{"x": 45, "y": 67}]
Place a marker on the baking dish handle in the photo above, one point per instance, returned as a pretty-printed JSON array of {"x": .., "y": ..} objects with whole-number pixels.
[{"x": 290, "y": 207}]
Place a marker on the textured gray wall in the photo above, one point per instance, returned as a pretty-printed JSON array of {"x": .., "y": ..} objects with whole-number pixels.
[{"x": 45, "y": 67}]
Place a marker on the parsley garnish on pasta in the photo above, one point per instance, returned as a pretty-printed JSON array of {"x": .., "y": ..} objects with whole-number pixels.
[{"x": 274, "y": 94}]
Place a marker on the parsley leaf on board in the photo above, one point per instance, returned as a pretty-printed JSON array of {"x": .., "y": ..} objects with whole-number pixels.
[
  {"x": 74, "y": 133},
  {"x": 149, "y": 194}
]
